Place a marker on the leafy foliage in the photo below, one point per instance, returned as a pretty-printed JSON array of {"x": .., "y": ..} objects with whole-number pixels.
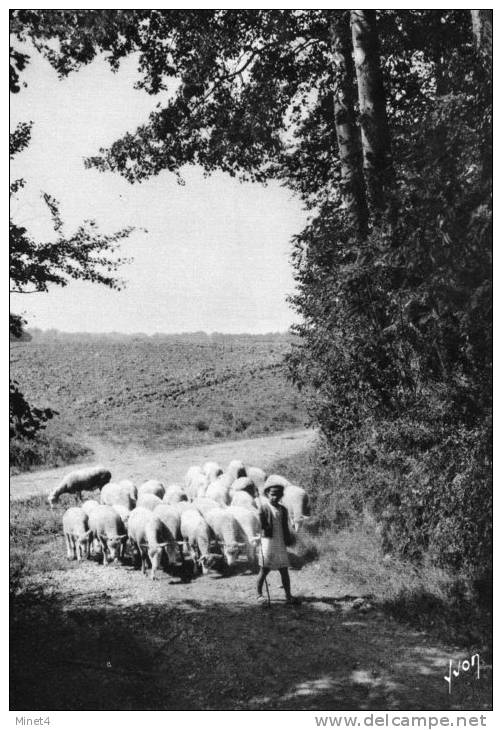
[
  {"x": 86, "y": 255},
  {"x": 25, "y": 420}
]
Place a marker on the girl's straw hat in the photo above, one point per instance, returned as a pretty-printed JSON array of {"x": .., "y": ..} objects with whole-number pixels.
[{"x": 275, "y": 480}]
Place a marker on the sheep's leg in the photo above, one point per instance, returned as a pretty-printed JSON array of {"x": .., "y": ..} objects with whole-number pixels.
[
  {"x": 97, "y": 545},
  {"x": 69, "y": 549},
  {"x": 143, "y": 560},
  {"x": 136, "y": 553},
  {"x": 102, "y": 542},
  {"x": 194, "y": 557},
  {"x": 155, "y": 556}
]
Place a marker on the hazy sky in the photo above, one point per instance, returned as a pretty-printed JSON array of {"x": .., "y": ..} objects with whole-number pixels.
[{"x": 215, "y": 256}]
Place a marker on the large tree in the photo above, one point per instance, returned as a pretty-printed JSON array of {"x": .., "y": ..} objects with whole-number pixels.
[
  {"x": 347, "y": 132},
  {"x": 373, "y": 115}
]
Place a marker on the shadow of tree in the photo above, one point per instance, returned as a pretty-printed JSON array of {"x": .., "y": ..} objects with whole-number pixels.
[
  {"x": 458, "y": 617},
  {"x": 92, "y": 653}
]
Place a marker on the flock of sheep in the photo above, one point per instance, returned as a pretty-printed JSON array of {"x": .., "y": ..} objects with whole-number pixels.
[{"x": 210, "y": 522}]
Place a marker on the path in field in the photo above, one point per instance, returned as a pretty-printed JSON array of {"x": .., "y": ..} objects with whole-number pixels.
[{"x": 131, "y": 463}]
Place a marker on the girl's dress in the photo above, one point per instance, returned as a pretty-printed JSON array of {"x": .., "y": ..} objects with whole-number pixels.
[{"x": 273, "y": 553}]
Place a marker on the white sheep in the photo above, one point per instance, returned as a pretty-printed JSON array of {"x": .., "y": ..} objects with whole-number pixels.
[
  {"x": 243, "y": 499},
  {"x": 204, "y": 505},
  {"x": 122, "y": 511},
  {"x": 200, "y": 539},
  {"x": 76, "y": 532},
  {"x": 296, "y": 501},
  {"x": 170, "y": 517},
  {"x": 225, "y": 479},
  {"x": 175, "y": 493},
  {"x": 243, "y": 484},
  {"x": 148, "y": 500},
  {"x": 89, "y": 505},
  {"x": 212, "y": 470},
  {"x": 128, "y": 487},
  {"x": 249, "y": 520},
  {"x": 219, "y": 493},
  {"x": 258, "y": 476},
  {"x": 109, "y": 530},
  {"x": 236, "y": 469},
  {"x": 152, "y": 486},
  {"x": 94, "y": 477},
  {"x": 180, "y": 507},
  {"x": 196, "y": 482},
  {"x": 230, "y": 535},
  {"x": 114, "y": 493},
  {"x": 150, "y": 536}
]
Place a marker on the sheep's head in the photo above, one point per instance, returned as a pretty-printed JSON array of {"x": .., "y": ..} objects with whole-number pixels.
[
  {"x": 116, "y": 547},
  {"x": 232, "y": 552},
  {"x": 104, "y": 478},
  {"x": 171, "y": 550}
]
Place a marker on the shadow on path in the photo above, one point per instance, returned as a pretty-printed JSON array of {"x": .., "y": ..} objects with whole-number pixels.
[{"x": 86, "y": 651}]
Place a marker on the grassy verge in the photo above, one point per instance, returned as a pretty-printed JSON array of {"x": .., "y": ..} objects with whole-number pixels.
[
  {"x": 36, "y": 540},
  {"x": 45, "y": 451},
  {"x": 345, "y": 538}
]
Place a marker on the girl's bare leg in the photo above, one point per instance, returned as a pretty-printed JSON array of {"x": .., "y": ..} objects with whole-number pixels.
[{"x": 286, "y": 583}]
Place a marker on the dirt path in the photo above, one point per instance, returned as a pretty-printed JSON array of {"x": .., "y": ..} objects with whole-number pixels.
[
  {"x": 129, "y": 643},
  {"x": 85, "y": 637},
  {"x": 130, "y": 463}
]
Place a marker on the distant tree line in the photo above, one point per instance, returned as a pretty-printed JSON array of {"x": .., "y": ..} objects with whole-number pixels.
[{"x": 203, "y": 338}]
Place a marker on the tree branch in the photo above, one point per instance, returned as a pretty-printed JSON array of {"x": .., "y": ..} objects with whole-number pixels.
[{"x": 254, "y": 54}]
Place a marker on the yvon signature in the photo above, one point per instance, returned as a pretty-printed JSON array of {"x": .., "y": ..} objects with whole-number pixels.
[{"x": 463, "y": 667}]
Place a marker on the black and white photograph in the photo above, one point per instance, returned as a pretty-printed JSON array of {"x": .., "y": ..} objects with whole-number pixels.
[{"x": 251, "y": 318}]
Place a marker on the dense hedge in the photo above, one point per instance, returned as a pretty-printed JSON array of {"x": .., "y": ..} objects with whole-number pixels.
[{"x": 395, "y": 344}]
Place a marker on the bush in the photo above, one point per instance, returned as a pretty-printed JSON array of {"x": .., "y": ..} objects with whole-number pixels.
[
  {"x": 25, "y": 420},
  {"x": 44, "y": 451},
  {"x": 428, "y": 489},
  {"x": 352, "y": 542},
  {"x": 201, "y": 425}
]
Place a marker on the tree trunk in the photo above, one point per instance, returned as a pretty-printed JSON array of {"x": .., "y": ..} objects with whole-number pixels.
[
  {"x": 482, "y": 27},
  {"x": 349, "y": 144},
  {"x": 377, "y": 160}
]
